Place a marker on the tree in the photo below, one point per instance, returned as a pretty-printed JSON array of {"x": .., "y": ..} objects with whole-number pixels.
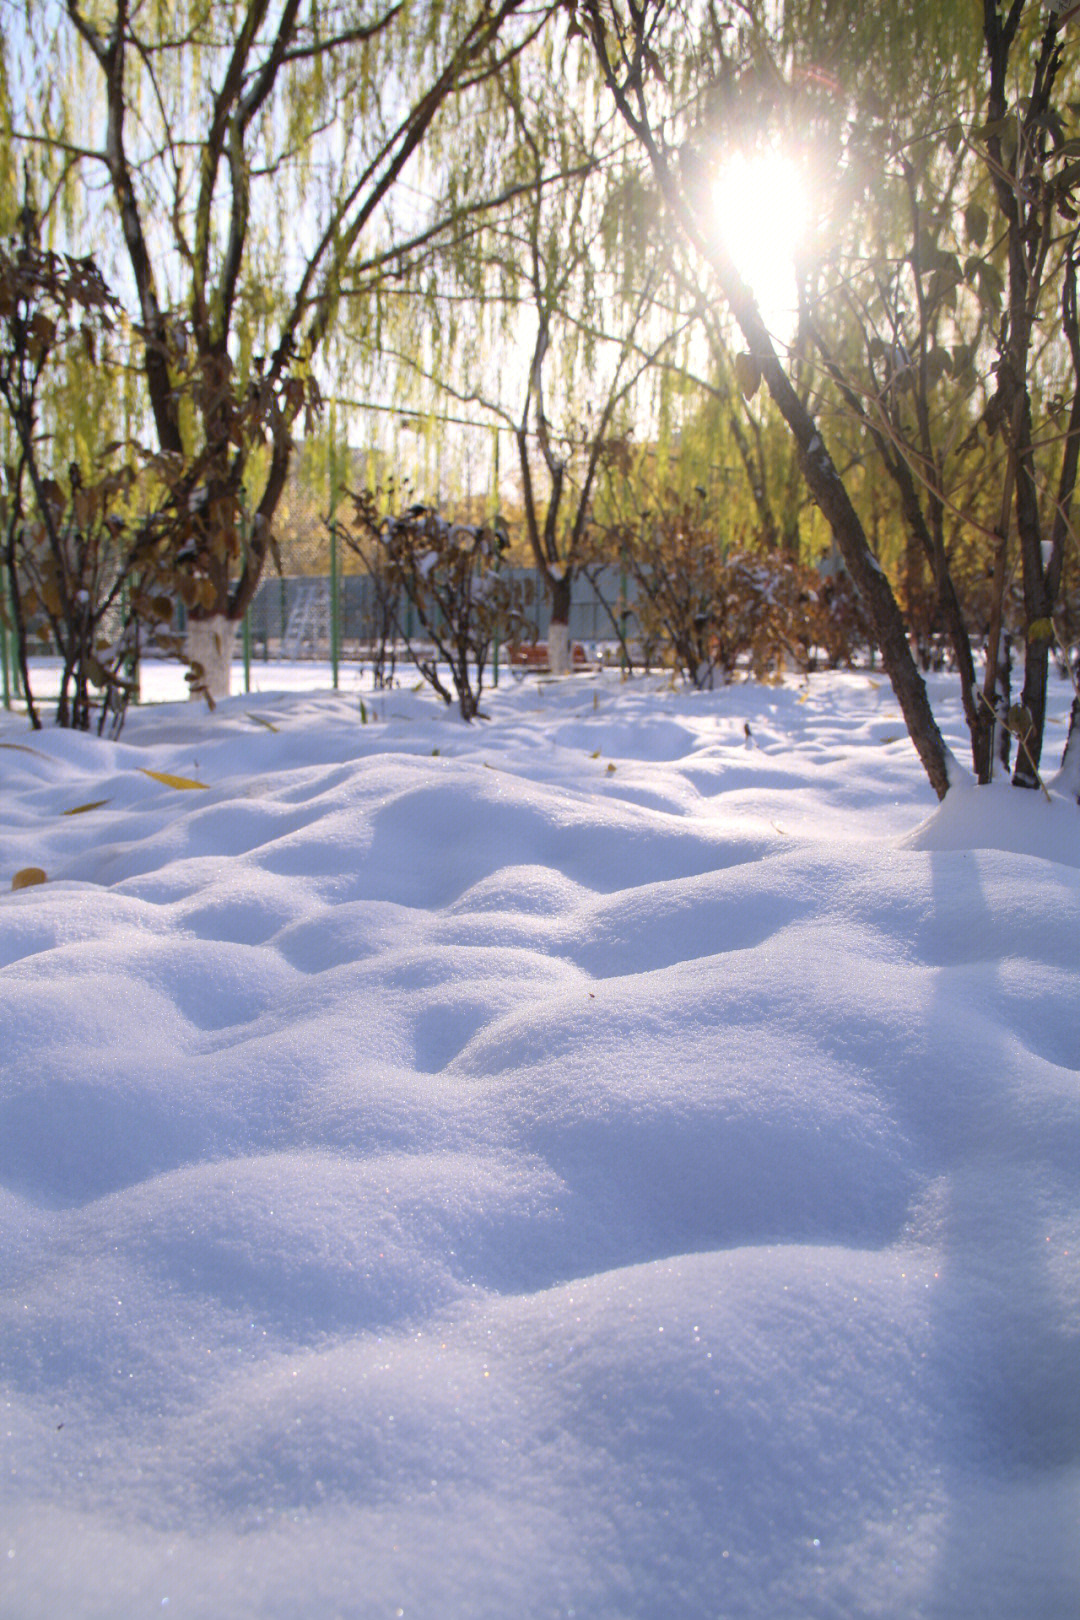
[
  {"x": 1024, "y": 148},
  {"x": 88, "y": 568},
  {"x": 250, "y": 152},
  {"x": 960, "y": 292},
  {"x": 555, "y": 330}
]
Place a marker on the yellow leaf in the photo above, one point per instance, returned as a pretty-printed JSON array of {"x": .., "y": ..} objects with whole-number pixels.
[
  {"x": 81, "y": 809},
  {"x": 595, "y": 754},
  {"x": 179, "y": 782},
  {"x": 1041, "y": 630},
  {"x": 610, "y": 769},
  {"x": 259, "y": 721},
  {"x": 27, "y": 876}
]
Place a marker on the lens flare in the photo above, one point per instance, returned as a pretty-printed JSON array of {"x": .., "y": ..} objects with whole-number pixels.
[{"x": 761, "y": 204}]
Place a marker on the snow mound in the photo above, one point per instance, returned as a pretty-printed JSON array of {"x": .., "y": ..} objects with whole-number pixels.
[
  {"x": 999, "y": 816},
  {"x": 596, "y": 1163}
]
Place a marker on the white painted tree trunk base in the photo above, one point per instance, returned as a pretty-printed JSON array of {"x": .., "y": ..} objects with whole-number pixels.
[
  {"x": 559, "y": 649},
  {"x": 210, "y": 643}
]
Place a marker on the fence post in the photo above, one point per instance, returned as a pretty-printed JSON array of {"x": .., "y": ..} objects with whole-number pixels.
[
  {"x": 245, "y": 622},
  {"x": 5, "y": 642},
  {"x": 132, "y": 663},
  {"x": 13, "y": 685},
  {"x": 498, "y": 554},
  {"x": 335, "y": 582}
]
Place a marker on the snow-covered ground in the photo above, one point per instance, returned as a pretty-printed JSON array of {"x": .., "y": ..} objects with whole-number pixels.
[{"x": 595, "y": 1163}]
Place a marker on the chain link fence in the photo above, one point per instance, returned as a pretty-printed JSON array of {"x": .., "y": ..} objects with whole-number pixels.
[
  {"x": 324, "y": 605},
  {"x": 337, "y": 614}
]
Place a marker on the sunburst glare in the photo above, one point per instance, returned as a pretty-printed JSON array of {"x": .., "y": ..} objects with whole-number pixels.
[{"x": 762, "y": 210}]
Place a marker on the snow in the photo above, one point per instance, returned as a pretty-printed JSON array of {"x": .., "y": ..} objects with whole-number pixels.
[{"x": 596, "y": 1162}]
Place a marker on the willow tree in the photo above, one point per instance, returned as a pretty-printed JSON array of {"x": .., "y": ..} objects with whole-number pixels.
[
  {"x": 591, "y": 341},
  {"x": 998, "y": 85},
  {"x": 243, "y": 153},
  {"x": 552, "y": 319},
  {"x": 955, "y": 288}
]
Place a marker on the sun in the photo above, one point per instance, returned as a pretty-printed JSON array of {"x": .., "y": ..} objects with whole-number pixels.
[{"x": 761, "y": 211}]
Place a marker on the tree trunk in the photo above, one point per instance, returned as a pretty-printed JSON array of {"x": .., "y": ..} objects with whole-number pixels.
[
  {"x": 1068, "y": 778},
  {"x": 1038, "y": 601},
  {"x": 559, "y": 659},
  {"x": 210, "y": 645},
  {"x": 875, "y": 592}
]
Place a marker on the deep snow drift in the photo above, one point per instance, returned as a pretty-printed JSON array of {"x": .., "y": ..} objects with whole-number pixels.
[{"x": 595, "y": 1163}]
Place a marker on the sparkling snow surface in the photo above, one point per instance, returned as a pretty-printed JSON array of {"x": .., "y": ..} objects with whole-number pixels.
[{"x": 592, "y": 1164}]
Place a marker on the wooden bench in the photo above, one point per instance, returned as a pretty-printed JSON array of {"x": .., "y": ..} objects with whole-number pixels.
[{"x": 535, "y": 656}]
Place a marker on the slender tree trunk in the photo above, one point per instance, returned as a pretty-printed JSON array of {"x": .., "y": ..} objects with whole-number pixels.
[
  {"x": 886, "y": 620},
  {"x": 1038, "y": 606},
  {"x": 559, "y": 656},
  {"x": 1004, "y": 681},
  {"x": 1068, "y": 778}
]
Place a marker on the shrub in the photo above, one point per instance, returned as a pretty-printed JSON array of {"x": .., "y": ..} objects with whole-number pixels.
[
  {"x": 449, "y": 574},
  {"x": 713, "y": 613},
  {"x": 85, "y": 577}
]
